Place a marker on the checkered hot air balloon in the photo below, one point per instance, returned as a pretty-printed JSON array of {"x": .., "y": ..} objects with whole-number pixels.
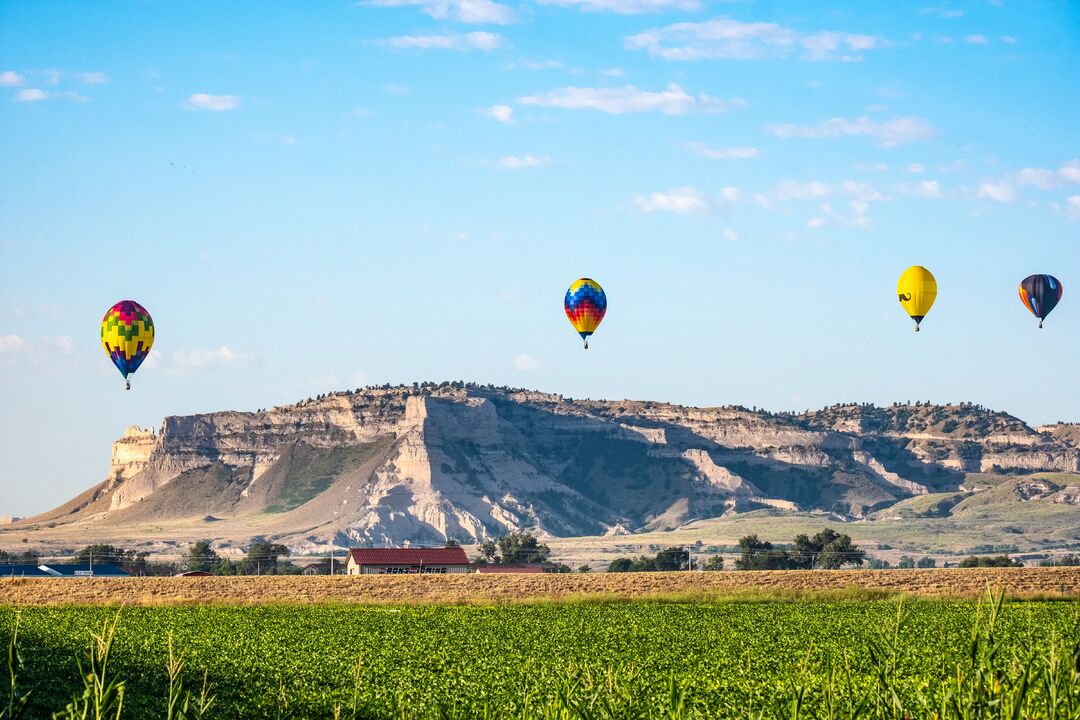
[
  {"x": 127, "y": 332},
  {"x": 1040, "y": 294},
  {"x": 585, "y": 305}
]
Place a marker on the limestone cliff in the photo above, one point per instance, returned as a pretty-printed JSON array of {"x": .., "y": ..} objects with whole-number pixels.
[{"x": 430, "y": 462}]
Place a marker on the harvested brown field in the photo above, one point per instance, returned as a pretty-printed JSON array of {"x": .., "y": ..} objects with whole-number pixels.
[{"x": 486, "y": 589}]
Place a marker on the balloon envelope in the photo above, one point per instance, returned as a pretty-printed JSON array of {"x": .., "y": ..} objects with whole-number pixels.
[
  {"x": 127, "y": 332},
  {"x": 585, "y": 305},
  {"x": 1040, "y": 294},
  {"x": 917, "y": 290}
]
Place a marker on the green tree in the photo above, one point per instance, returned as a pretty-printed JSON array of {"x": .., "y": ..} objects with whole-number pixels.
[
  {"x": 521, "y": 548},
  {"x": 620, "y": 565},
  {"x": 201, "y": 557},
  {"x": 672, "y": 559},
  {"x": 132, "y": 561},
  {"x": 716, "y": 562},
  {"x": 584, "y": 569},
  {"x": 977, "y": 561},
  {"x": 262, "y": 559},
  {"x": 758, "y": 554},
  {"x": 906, "y": 562},
  {"x": 926, "y": 562},
  {"x": 828, "y": 550},
  {"x": 878, "y": 564}
]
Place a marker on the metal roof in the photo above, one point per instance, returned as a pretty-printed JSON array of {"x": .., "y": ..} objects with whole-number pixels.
[{"x": 409, "y": 556}]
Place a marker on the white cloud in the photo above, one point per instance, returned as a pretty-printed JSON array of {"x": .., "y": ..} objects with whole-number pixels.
[
  {"x": 929, "y": 189},
  {"x": 671, "y": 101},
  {"x": 728, "y": 39},
  {"x": 1072, "y": 209},
  {"x": 1070, "y": 171},
  {"x": 862, "y": 191},
  {"x": 61, "y": 343},
  {"x": 816, "y": 222},
  {"x": 10, "y": 78},
  {"x": 502, "y": 113},
  {"x": 1008, "y": 39},
  {"x": 219, "y": 357},
  {"x": 792, "y": 190},
  {"x": 1040, "y": 178},
  {"x": 483, "y": 12},
  {"x": 30, "y": 95},
  {"x": 730, "y": 194},
  {"x": 37, "y": 95},
  {"x": 763, "y": 201},
  {"x": 215, "y": 103},
  {"x": 677, "y": 200},
  {"x": 976, "y": 40},
  {"x": 887, "y": 134},
  {"x": 942, "y": 12},
  {"x": 723, "y": 153},
  {"x": 523, "y": 362},
  {"x": 1002, "y": 191},
  {"x": 730, "y": 235},
  {"x": 628, "y": 7},
  {"x": 11, "y": 343},
  {"x": 93, "y": 78},
  {"x": 470, "y": 41},
  {"x": 536, "y": 64},
  {"x": 395, "y": 89},
  {"x": 613, "y": 72},
  {"x": 520, "y": 162},
  {"x": 916, "y": 168}
]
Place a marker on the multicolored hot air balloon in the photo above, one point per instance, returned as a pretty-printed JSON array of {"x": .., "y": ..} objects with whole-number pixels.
[
  {"x": 127, "y": 332},
  {"x": 917, "y": 290},
  {"x": 1040, "y": 294},
  {"x": 585, "y": 305}
]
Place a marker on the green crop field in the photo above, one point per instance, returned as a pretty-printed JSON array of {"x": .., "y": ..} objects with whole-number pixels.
[{"x": 835, "y": 659}]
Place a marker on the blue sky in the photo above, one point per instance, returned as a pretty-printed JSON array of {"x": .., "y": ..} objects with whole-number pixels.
[{"x": 317, "y": 196}]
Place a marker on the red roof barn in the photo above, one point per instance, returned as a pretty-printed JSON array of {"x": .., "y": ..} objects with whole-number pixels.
[{"x": 407, "y": 561}]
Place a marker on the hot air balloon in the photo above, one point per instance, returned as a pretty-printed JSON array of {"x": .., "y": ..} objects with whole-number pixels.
[
  {"x": 1040, "y": 294},
  {"x": 585, "y": 305},
  {"x": 917, "y": 290},
  {"x": 127, "y": 332}
]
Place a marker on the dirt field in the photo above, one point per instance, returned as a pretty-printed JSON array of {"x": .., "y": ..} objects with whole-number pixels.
[{"x": 456, "y": 589}]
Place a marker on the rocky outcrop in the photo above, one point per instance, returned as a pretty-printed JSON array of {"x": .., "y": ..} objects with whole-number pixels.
[{"x": 427, "y": 463}]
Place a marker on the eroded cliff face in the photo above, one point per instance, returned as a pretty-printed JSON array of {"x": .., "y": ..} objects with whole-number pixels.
[{"x": 426, "y": 463}]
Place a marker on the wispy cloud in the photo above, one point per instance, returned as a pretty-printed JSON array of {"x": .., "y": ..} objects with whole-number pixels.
[
  {"x": 219, "y": 357},
  {"x": 628, "y": 7},
  {"x": 484, "y": 12},
  {"x": 469, "y": 41},
  {"x": 999, "y": 191},
  {"x": 887, "y": 134},
  {"x": 59, "y": 343},
  {"x": 524, "y": 362},
  {"x": 10, "y": 78},
  {"x": 93, "y": 78},
  {"x": 1072, "y": 207},
  {"x": 976, "y": 40},
  {"x": 1048, "y": 179},
  {"x": 683, "y": 200},
  {"x": 214, "y": 103},
  {"x": 520, "y": 162},
  {"x": 629, "y": 99},
  {"x": 38, "y": 95},
  {"x": 501, "y": 113},
  {"x": 928, "y": 189},
  {"x": 11, "y": 343},
  {"x": 728, "y": 39},
  {"x": 712, "y": 153},
  {"x": 942, "y": 12}
]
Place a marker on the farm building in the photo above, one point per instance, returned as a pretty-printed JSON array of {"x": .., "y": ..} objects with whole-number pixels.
[
  {"x": 407, "y": 561},
  {"x": 67, "y": 570},
  {"x": 508, "y": 569}
]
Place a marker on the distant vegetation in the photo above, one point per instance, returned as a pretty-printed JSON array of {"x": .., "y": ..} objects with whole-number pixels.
[{"x": 996, "y": 561}]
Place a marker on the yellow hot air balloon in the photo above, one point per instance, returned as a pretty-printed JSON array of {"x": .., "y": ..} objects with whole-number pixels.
[{"x": 917, "y": 290}]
